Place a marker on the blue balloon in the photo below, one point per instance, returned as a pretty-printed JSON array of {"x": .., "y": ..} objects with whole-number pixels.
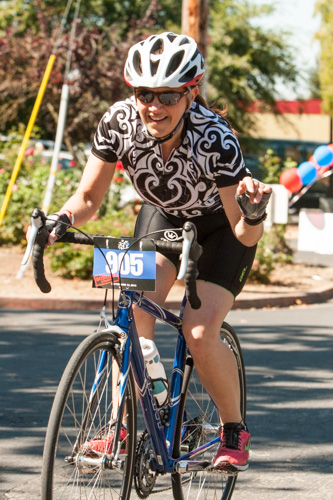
[
  {"x": 307, "y": 172},
  {"x": 323, "y": 156}
]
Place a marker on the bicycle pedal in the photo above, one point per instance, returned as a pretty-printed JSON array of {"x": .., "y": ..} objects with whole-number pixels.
[{"x": 192, "y": 465}]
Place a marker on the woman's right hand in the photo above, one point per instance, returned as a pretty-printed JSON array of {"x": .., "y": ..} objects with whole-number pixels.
[{"x": 57, "y": 225}]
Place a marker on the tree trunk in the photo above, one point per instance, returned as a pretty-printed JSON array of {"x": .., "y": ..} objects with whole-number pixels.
[{"x": 195, "y": 22}]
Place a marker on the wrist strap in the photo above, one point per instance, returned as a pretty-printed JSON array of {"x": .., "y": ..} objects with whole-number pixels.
[{"x": 255, "y": 222}]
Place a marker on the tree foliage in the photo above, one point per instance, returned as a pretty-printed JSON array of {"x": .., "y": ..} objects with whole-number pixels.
[
  {"x": 245, "y": 61},
  {"x": 325, "y": 36},
  {"x": 103, "y": 13},
  {"x": 97, "y": 56}
]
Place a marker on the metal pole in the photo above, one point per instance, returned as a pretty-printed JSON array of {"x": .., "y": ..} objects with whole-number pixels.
[
  {"x": 62, "y": 116},
  {"x": 57, "y": 147},
  {"x": 55, "y": 159}
]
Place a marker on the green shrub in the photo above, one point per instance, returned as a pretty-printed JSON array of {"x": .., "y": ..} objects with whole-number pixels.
[
  {"x": 272, "y": 249},
  {"x": 29, "y": 189}
]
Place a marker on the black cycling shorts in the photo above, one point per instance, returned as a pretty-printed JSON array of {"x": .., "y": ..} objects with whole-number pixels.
[{"x": 225, "y": 261}]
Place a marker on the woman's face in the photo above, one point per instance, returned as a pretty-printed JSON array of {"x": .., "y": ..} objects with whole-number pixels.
[{"x": 161, "y": 119}]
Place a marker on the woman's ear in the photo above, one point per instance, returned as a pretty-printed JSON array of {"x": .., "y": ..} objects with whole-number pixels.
[{"x": 193, "y": 94}]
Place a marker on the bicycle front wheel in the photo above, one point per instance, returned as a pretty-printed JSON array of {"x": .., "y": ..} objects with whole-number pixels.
[
  {"x": 199, "y": 423},
  {"x": 85, "y": 405}
]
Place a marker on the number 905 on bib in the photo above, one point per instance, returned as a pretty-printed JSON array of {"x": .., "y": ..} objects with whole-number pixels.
[{"x": 124, "y": 263}]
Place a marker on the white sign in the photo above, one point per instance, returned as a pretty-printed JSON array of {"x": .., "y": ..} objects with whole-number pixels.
[
  {"x": 277, "y": 208},
  {"x": 315, "y": 232}
]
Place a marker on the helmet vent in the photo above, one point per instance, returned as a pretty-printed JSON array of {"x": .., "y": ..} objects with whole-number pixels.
[
  {"x": 137, "y": 62},
  {"x": 195, "y": 55},
  {"x": 171, "y": 36},
  {"x": 189, "y": 75},
  {"x": 157, "y": 48},
  {"x": 154, "y": 67},
  {"x": 184, "y": 41},
  {"x": 174, "y": 63}
]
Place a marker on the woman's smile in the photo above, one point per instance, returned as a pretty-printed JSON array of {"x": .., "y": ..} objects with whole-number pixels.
[
  {"x": 154, "y": 118},
  {"x": 161, "y": 119}
]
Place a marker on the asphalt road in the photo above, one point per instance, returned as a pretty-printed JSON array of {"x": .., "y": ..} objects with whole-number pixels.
[{"x": 288, "y": 354}]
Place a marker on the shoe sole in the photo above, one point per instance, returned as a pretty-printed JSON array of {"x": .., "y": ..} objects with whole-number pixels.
[{"x": 228, "y": 467}]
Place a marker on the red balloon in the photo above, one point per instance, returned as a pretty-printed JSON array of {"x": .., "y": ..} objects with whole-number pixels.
[
  {"x": 291, "y": 180},
  {"x": 312, "y": 159}
]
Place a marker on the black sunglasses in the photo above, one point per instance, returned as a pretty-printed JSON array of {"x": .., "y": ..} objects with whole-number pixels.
[{"x": 168, "y": 98}]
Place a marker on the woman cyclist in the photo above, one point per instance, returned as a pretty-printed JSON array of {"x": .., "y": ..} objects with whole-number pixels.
[{"x": 185, "y": 162}]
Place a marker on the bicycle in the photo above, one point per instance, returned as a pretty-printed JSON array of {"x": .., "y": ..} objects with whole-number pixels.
[{"x": 97, "y": 395}]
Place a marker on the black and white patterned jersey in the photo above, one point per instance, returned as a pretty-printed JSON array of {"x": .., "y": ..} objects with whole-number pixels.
[{"x": 186, "y": 185}]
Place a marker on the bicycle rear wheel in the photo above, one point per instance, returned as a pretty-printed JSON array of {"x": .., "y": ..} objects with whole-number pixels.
[
  {"x": 77, "y": 417},
  {"x": 199, "y": 423}
]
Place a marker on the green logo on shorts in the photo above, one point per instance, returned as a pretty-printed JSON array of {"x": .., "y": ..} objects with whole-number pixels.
[{"x": 242, "y": 274}]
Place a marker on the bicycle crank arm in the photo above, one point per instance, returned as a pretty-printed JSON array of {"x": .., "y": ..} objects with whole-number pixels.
[
  {"x": 200, "y": 465},
  {"x": 192, "y": 466}
]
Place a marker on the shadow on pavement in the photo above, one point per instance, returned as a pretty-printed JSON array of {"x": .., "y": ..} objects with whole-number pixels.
[{"x": 289, "y": 386}]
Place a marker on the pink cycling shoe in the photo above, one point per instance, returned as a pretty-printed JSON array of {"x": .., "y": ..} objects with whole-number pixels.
[{"x": 233, "y": 453}]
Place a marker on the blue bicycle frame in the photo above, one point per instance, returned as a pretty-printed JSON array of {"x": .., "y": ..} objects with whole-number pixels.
[{"x": 161, "y": 435}]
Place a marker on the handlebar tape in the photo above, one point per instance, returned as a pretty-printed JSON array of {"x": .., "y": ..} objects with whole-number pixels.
[
  {"x": 191, "y": 286},
  {"x": 38, "y": 261}
]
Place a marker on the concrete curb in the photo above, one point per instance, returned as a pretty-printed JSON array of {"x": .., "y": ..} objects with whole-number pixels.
[
  {"x": 245, "y": 301},
  {"x": 285, "y": 300}
]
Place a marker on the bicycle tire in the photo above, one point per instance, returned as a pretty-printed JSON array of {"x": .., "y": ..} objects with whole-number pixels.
[
  {"x": 200, "y": 414},
  {"x": 74, "y": 420}
]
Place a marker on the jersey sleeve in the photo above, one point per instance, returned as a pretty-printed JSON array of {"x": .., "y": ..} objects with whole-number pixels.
[
  {"x": 230, "y": 167},
  {"x": 113, "y": 131}
]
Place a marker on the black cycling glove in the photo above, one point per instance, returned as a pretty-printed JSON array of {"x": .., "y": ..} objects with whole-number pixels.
[
  {"x": 59, "y": 223},
  {"x": 253, "y": 213}
]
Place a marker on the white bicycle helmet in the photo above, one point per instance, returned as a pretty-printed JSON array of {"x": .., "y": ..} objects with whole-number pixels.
[{"x": 165, "y": 60}]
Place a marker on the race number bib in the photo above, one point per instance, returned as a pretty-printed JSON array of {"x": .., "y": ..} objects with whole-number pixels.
[{"x": 124, "y": 263}]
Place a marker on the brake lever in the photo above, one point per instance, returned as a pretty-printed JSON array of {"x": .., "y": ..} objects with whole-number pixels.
[{"x": 37, "y": 221}]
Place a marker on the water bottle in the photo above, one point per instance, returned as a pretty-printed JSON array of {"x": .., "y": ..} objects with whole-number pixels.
[{"x": 155, "y": 371}]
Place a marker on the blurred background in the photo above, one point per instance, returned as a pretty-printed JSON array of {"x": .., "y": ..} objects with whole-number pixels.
[{"x": 268, "y": 63}]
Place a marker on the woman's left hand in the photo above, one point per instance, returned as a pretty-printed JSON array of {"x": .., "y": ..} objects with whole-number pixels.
[{"x": 252, "y": 197}]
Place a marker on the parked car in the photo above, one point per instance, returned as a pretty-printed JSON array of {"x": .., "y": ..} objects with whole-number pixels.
[
  {"x": 65, "y": 159},
  {"x": 45, "y": 144}
]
